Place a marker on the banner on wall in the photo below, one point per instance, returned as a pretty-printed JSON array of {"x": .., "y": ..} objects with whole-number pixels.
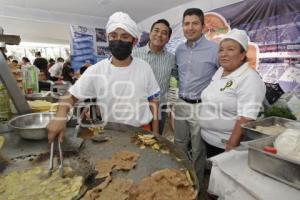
[
  {"x": 88, "y": 45},
  {"x": 273, "y": 28}
]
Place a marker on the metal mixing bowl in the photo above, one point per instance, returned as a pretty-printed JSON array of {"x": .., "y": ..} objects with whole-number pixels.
[{"x": 31, "y": 126}]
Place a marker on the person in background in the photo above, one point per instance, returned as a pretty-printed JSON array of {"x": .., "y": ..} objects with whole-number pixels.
[
  {"x": 10, "y": 59},
  {"x": 68, "y": 73},
  {"x": 197, "y": 61},
  {"x": 82, "y": 70},
  {"x": 51, "y": 63},
  {"x": 25, "y": 61},
  {"x": 84, "y": 67},
  {"x": 233, "y": 97},
  {"x": 160, "y": 60},
  {"x": 14, "y": 64},
  {"x": 125, "y": 86},
  {"x": 40, "y": 62},
  {"x": 56, "y": 70}
]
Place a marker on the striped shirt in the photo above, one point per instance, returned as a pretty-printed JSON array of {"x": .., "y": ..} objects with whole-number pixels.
[{"x": 161, "y": 63}]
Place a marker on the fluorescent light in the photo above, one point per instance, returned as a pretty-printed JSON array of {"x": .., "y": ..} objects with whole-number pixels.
[{"x": 35, "y": 44}]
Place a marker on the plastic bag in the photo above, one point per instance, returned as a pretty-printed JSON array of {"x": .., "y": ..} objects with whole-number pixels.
[{"x": 288, "y": 144}]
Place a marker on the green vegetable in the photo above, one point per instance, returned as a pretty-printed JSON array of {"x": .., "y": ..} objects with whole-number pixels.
[{"x": 279, "y": 112}]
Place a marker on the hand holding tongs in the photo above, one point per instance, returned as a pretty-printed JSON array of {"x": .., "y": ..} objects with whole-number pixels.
[{"x": 61, "y": 168}]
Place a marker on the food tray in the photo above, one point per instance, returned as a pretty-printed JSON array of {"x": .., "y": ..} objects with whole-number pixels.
[
  {"x": 250, "y": 133},
  {"x": 278, "y": 167}
]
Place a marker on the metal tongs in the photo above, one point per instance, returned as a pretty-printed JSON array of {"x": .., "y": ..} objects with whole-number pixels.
[{"x": 60, "y": 167}]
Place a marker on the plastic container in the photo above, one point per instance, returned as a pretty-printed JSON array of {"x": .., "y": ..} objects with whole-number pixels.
[
  {"x": 30, "y": 79},
  {"x": 5, "y": 112}
]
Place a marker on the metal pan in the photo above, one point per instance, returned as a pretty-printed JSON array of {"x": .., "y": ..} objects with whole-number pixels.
[
  {"x": 251, "y": 133},
  {"x": 31, "y": 126},
  {"x": 273, "y": 165}
]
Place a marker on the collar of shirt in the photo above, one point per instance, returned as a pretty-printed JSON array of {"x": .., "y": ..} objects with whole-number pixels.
[
  {"x": 148, "y": 50},
  {"x": 196, "y": 43},
  {"x": 236, "y": 73}
]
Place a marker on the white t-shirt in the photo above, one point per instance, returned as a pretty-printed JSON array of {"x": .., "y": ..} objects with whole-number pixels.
[
  {"x": 122, "y": 92},
  {"x": 225, "y": 99},
  {"x": 56, "y": 69}
]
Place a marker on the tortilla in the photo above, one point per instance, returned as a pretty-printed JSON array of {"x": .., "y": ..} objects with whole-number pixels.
[
  {"x": 167, "y": 184},
  {"x": 117, "y": 189},
  {"x": 125, "y": 160},
  {"x": 104, "y": 168}
]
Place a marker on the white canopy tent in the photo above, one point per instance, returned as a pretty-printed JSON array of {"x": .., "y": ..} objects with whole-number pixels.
[{"x": 47, "y": 21}]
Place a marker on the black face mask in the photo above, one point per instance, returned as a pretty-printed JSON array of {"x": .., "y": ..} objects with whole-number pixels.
[{"x": 120, "y": 49}]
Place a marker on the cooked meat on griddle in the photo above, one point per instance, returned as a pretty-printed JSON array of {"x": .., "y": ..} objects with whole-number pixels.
[
  {"x": 125, "y": 160},
  {"x": 117, "y": 189},
  {"x": 166, "y": 184},
  {"x": 104, "y": 168}
]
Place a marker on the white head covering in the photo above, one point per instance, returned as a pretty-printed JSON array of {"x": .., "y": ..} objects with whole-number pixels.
[
  {"x": 122, "y": 20},
  {"x": 238, "y": 35}
]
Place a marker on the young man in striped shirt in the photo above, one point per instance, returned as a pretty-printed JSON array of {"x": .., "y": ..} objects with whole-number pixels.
[{"x": 160, "y": 60}]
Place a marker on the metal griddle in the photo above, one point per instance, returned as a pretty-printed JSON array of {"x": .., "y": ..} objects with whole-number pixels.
[
  {"x": 149, "y": 161},
  {"x": 120, "y": 139}
]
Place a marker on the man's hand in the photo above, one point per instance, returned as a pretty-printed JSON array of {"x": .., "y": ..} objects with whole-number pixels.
[{"x": 56, "y": 127}]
